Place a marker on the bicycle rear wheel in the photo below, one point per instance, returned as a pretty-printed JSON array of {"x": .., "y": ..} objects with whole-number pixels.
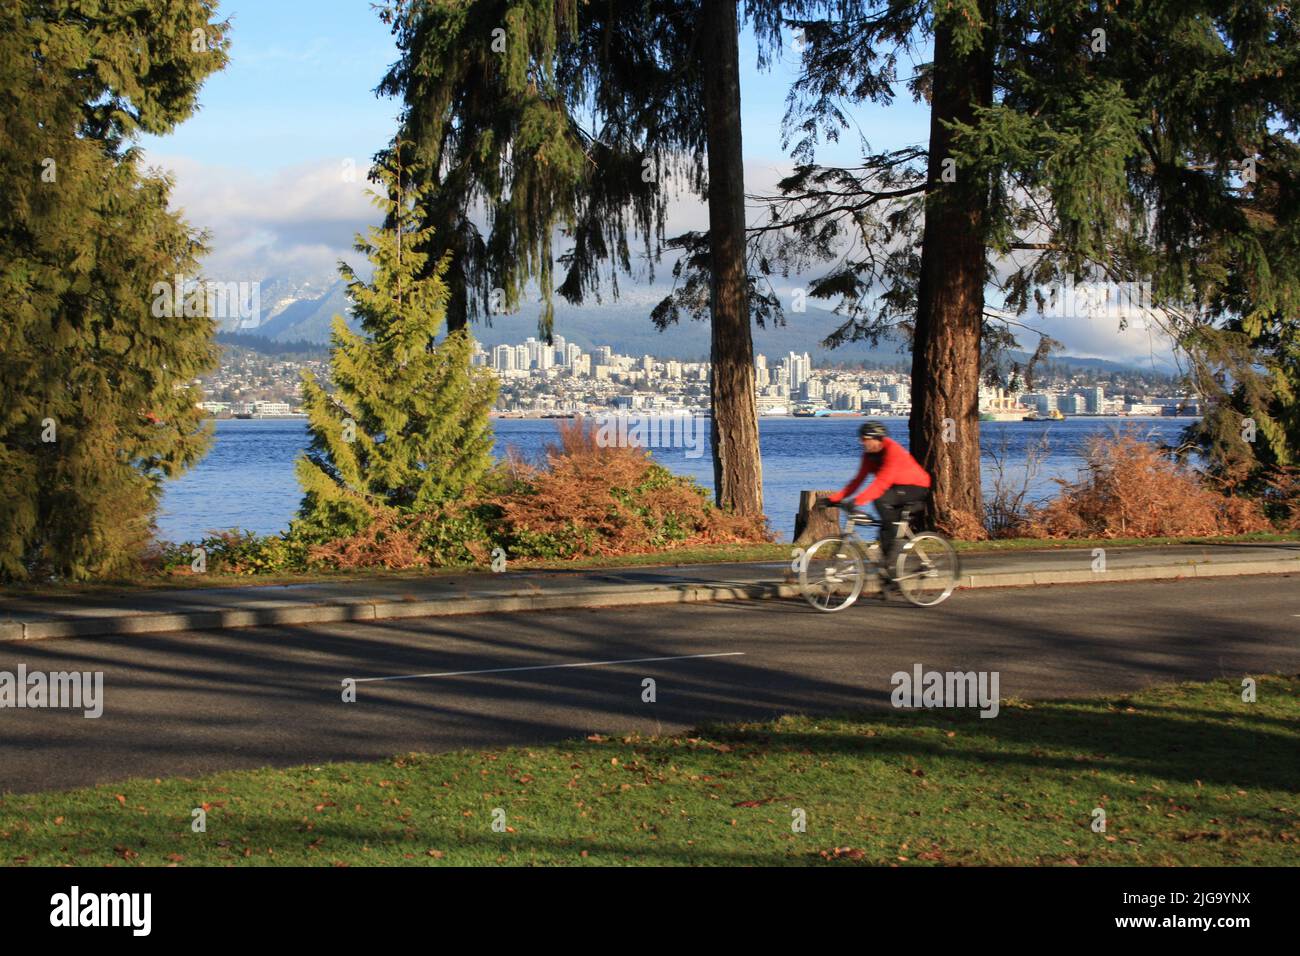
[
  {"x": 927, "y": 569},
  {"x": 831, "y": 574}
]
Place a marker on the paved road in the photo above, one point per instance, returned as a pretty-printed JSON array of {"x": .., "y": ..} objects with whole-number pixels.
[{"x": 188, "y": 703}]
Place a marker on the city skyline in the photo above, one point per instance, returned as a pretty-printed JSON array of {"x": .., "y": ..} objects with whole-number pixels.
[{"x": 564, "y": 379}]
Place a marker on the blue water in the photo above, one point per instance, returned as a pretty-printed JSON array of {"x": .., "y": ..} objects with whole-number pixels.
[{"x": 247, "y": 479}]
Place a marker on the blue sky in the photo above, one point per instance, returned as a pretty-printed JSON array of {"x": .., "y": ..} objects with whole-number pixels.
[
  {"x": 300, "y": 84},
  {"x": 273, "y": 164}
]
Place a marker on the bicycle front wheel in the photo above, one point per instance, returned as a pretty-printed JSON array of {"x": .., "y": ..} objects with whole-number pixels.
[
  {"x": 831, "y": 574},
  {"x": 927, "y": 569}
]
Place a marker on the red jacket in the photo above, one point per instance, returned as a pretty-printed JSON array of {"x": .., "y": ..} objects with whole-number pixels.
[{"x": 893, "y": 465}]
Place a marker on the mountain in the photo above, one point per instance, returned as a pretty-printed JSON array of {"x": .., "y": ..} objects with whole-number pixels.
[
  {"x": 306, "y": 318},
  {"x": 304, "y": 312}
]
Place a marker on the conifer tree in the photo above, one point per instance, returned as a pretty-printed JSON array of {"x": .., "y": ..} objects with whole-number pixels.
[
  {"x": 558, "y": 115},
  {"x": 1118, "y": 143},
  {"x": 405, "y": 426},
  {"x": 1217, "y": 188},
  {"x": 96, "y": 408}
]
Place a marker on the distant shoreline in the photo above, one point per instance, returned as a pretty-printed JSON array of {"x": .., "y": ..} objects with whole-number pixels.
[
  {"x": 540, "y": 416},
  {"x": 549, "y": 416}
]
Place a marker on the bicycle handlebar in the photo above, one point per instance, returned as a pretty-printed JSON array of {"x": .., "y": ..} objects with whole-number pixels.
[
  {"x": 857, "y": 514},
  {"x": 851, "y": 510}
]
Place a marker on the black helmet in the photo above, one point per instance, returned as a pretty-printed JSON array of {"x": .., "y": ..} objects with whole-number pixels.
[{"x": 872, "y": 429}]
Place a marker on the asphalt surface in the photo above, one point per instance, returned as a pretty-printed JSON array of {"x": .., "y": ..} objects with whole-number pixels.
[{"x": 183, "y": 704}]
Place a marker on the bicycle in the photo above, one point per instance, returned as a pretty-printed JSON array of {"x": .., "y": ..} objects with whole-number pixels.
[{"x": 833, "y": 571}]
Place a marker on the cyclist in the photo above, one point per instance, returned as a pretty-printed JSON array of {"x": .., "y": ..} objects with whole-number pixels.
[{"x": 899, "y": 481}]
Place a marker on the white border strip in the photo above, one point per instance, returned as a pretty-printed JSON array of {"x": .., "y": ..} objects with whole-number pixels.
[{"x": 547, "y": 667}]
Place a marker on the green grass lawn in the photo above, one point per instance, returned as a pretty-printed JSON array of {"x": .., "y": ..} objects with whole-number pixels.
[
  {"x": 1186, "y": 775},
  {"x": 721, "y": 554},
  {"x": 1041, "y": 544}
]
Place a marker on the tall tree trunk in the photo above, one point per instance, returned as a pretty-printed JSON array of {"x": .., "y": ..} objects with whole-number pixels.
[
  {"x": 950, "y": 298},
  {"x": 737, "y": 468}
]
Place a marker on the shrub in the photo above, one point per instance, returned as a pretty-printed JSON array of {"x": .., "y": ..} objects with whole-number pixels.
[
  {"x": 584, "y": 500},
  {"x": 236, "y": 552},
  {"x": 389, "y": 540},
  {"x": 591, "y": 500},
  {"x": 1130, "y": 489},
  {"x": 1282, "y": 499}
]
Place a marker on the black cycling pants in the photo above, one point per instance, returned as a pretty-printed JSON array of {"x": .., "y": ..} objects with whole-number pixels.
[{"x": 890, "y": 508}]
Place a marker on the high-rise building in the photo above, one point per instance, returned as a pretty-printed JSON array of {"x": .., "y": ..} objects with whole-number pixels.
[
  {"x": 1096, "y": 399},
  {"x": 798, "y": 369},
  {"x": 503, "y": 358}
]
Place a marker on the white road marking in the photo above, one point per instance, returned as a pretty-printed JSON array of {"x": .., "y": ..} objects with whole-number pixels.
[{"x": 545, "y": 667}]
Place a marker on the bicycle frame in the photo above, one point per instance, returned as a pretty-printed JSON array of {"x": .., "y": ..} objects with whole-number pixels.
[{"x": 863, "y": 519}]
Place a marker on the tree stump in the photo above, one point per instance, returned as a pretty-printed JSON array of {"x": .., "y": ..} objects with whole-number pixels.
[{"x": 813, "y": 523}]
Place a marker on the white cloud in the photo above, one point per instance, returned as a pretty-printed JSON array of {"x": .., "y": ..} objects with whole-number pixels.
[{"x": 295, "y": 221}]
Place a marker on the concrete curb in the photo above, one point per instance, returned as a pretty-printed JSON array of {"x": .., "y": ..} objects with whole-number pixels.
[{"x": 153, "y": 622}]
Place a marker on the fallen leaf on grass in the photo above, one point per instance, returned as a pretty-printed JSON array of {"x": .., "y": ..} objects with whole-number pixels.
[
  {"x": 759, "y": 803},
  {"x": 844, "y": 852}
]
